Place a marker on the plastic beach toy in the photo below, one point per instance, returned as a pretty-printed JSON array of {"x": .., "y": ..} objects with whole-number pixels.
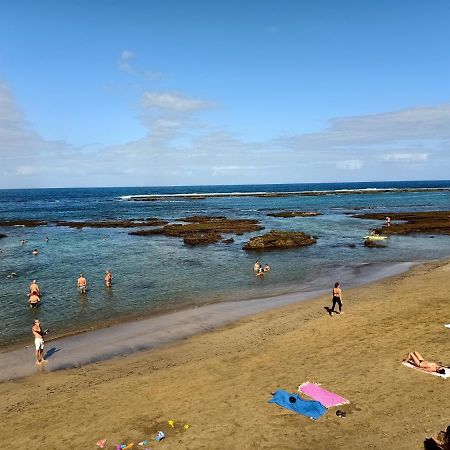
[
  {"x": 160, "y": 436},
  {"x": 143, "y": 443},
  {"x": 171, "y": 423},
  {"x": 101, "y": 443},
  {"x": 186, "y": 426}
]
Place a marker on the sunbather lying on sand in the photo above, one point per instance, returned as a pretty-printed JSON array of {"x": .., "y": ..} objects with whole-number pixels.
[{"x": 417, "y": 360}]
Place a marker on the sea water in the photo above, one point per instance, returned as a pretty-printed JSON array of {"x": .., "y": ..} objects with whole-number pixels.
[{"x": 158, "y": 273}]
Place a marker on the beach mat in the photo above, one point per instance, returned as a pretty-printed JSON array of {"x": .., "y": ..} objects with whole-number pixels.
[
  {"x": 309, "y": 408},
  {"x": 448, "y": 325},
  {"x": 446, "y": 375},
  {"x": 327, "y": 398}
]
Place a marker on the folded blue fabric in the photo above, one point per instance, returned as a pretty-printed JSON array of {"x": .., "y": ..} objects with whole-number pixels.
[{"x": 308, "y": 408}]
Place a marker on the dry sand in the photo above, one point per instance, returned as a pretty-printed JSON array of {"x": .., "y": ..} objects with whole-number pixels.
[{"x": 219, "y": 382}]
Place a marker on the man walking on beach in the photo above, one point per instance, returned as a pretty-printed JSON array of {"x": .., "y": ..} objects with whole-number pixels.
[
  {"x": 38, "y": 341},
  {"x": 82, "y": 283}
]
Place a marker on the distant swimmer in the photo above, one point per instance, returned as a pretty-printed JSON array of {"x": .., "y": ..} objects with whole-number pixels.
[
  {"x": 34, "y": 288},
  {"x": 35, "y": 251},
  {"x": 260, "y": 272},
  {"x": 388, "y": 221},
  {"x": 256, "y": 266},
  {"x": 108, "y": 278},
  {"x": 11, "y": 275},
  {"x": 266, "y": 268},
  {"x": 34, "y": 301},
  {"x": 46, "y": 239},
  {"x": 82, "y": 284},
  {"x": 23, "y": 241}
]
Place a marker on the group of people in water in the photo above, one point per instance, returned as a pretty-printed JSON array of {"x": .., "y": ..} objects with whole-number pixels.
[
  {"x": 259, "y": 269},
  {"x": 35, "y": 294}
]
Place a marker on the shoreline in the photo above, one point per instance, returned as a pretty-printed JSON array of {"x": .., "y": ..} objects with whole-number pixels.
[
  {"x": 377, "y": 271},
  {"x": 128, "y": 337}
]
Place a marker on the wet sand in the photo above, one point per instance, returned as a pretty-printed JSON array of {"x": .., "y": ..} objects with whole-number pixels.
[{"x": 219, "y": 382}]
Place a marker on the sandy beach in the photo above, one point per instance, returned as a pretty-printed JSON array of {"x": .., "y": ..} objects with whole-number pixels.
[{"x": 219, "y": 382}]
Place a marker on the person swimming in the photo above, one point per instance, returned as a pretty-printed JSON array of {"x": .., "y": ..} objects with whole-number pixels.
[
  {"x": 34, "y": 301},
  {"x": 266, "y": 268},
  {"x": 108, "y": 278},
  {"x": 35, "y": 251},
  {"x": 256, "y": 266}
]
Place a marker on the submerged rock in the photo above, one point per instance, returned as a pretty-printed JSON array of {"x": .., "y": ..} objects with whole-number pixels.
[
  {"x": 277, "y": 239},
  {"x": 287, "y": 214}
]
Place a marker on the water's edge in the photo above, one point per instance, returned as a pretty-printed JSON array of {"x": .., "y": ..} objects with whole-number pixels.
[{"x": 154, "y": 332}]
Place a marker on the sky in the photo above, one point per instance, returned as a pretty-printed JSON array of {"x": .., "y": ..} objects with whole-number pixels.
[{"x": 152, "y": 93}]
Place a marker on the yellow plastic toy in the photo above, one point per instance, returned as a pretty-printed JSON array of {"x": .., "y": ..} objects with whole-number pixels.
[
  {"x": 186, "y": 426},
  {"x": 171, "y": 423}
]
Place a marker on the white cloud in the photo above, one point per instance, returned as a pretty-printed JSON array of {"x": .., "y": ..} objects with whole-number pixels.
[
  {"x": 174, "y": 102},
  {"x": 349, "y": 164},
  {"x": 406, "y": 158},
  {"x": 126, "y": 63}
]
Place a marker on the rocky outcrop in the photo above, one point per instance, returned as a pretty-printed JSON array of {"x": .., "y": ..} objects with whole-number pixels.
[
  {"x": 430, "y": 222},
  {"x": 2, "y": 235},
  {"x": 201, "y": 230},
  {"x": 202, "y": 238},
  {"x": 287, "y": 214},
  {"x": 277, "y": 239},
  {"x": 113, "y": 223},
  {"x": 22, "y": 223}
]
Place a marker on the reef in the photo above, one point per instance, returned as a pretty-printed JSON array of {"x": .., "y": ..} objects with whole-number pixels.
[
  {"x": 132, "y": 223},
  {"x": 202, "y": 230},
  {"x": 22, "y": 223},
  {"x": 287, "y": 214},
  {"x": 429, "y": 222},
  {"x": 277, "y": 239}
]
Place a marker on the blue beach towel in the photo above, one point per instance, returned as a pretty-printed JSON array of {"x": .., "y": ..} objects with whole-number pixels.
[{"x": 308, "y": 408}]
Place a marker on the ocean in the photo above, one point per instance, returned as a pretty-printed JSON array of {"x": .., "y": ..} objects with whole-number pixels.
[{"x": 154, "y": 274}]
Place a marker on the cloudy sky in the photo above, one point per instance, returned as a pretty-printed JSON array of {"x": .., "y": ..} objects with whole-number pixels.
[{"x": 147, "y": 93}]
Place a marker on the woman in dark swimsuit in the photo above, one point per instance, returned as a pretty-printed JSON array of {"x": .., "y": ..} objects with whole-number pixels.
[{"x": 337, "y": 299}]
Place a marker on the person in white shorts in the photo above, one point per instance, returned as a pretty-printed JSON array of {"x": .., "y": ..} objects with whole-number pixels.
[{"x": 38, "y": 341}]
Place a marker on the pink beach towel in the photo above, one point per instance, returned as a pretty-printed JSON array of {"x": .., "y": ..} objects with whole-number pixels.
[{"x": 323, "y": 396}]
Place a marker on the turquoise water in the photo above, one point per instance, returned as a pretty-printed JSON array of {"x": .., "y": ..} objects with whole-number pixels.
[{"x": 157, "y": 273}]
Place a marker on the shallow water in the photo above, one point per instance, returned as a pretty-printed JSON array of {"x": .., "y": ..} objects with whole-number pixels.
[{"x": 157, "y": 273}]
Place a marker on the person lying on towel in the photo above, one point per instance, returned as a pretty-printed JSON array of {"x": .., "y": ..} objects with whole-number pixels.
[{"x": 417, "y": 360}]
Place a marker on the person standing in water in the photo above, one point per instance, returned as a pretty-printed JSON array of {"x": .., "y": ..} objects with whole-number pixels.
[
  {"x": 256, "y": 266},
  {"x": 337, "y": 298},
  {"x": 108, "y": 278},
  {"x": 34, "y": 288},
  {"x": 82, "y": 284}
]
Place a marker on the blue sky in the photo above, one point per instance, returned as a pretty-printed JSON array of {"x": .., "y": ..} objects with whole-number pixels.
[{"x": 201, "y": 92}]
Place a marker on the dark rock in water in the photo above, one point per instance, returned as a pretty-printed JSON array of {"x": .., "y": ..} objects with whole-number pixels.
[
  {"x": 202, "y": 238},
  {"x": 2, "y": 235},
  {"x": 430, "y": 222},
  {"x": 147, "y": 232},
  {"x": 228, "y": 241},
  {"x": 373, "y": 244},
  {"x": 287, "y": 214},
  {"x": 131, "y": 223},
  {"x": 351, "y": 245},
  {"x": 22, "y": 223},
  {"x": 277, "y": 239}
]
